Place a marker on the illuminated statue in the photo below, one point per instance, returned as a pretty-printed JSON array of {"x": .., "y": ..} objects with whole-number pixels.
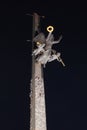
[{"x": 44, "y": 48}]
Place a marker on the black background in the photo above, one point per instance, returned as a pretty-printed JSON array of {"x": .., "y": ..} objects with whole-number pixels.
[{"x": 66, "y": 92}]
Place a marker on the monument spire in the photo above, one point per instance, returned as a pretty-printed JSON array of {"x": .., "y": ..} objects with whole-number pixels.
[
  {"x": 42, "y": 53},
  {"x": 37, "y": 106}
]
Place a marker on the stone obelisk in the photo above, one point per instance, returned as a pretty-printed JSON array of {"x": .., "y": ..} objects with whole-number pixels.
[{"x": 37, "y": 95}]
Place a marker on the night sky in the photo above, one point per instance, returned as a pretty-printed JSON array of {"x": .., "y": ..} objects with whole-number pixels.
[{"x": 65, "y": 87}]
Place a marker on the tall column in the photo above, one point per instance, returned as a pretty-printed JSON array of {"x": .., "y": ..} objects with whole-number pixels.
[{"x": 37, "y": 106}]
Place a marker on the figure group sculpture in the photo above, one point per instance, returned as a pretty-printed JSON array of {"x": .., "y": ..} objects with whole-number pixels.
[{"x": 44, "y": 52}]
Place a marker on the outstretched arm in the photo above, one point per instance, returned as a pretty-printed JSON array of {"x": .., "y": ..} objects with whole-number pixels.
[
  {"x": 58, "y": 41},
  {"x": 48, "y": 37}
]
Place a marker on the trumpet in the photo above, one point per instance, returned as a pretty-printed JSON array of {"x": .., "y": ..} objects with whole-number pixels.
[{"x": 60, "y": 60}]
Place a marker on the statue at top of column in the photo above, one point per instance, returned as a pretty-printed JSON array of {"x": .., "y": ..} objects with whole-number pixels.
[{"x": 44, "y": 52}]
